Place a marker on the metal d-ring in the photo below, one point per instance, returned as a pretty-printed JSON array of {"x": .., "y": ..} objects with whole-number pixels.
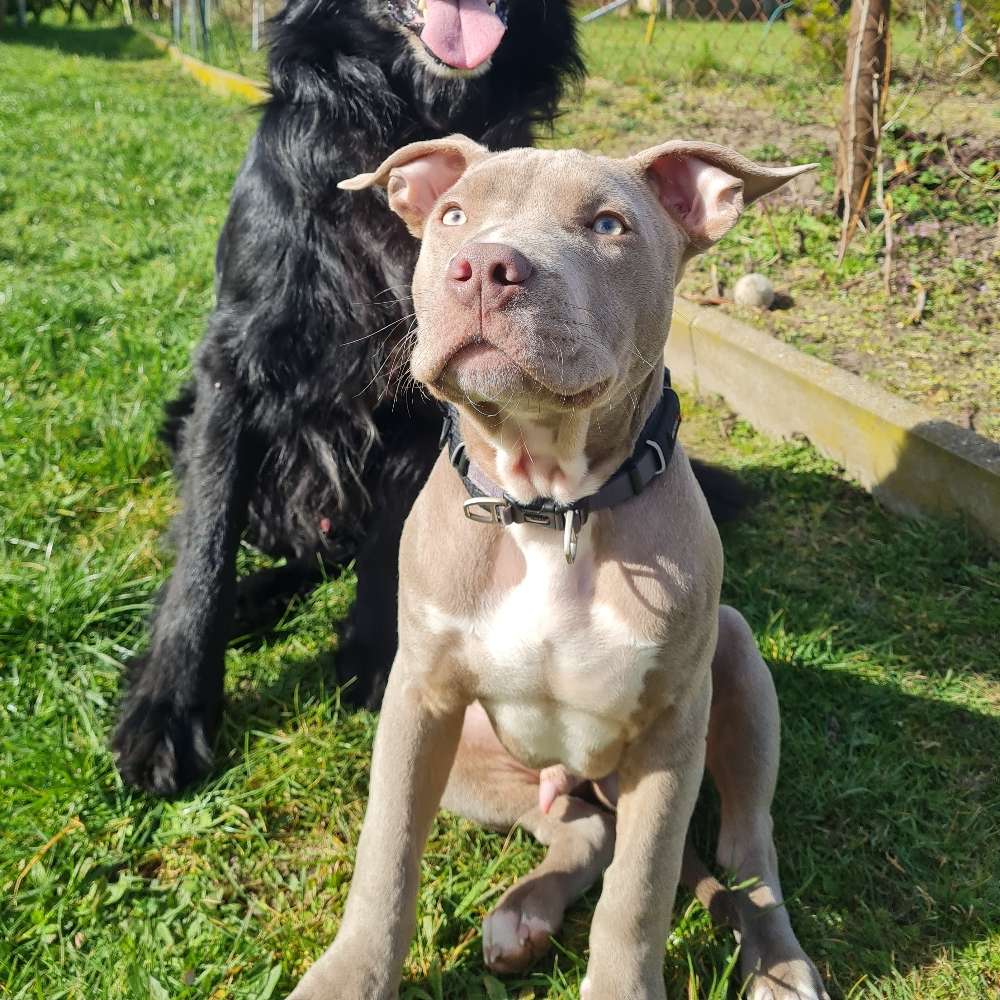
[
  {"x": 659, "y": 455},
  {"x": 570, "y": 534}
]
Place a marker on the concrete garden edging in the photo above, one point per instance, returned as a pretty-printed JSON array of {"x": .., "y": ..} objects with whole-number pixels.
[
  {"x": 219, "y": 80},
  {"x": 911, "y": 460}
]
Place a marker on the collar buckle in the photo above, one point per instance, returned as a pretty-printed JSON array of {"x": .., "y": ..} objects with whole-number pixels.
[{"x": 486, "y": 510}]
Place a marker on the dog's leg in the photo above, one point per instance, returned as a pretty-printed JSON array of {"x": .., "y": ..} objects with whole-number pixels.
[
  {"x": 580, "y": 838},
  {"x": 368, "y": 643},
  {"x": 414, "y": 749},
  {"x": 743, "y": 750},
  {"x": 173, "y": 704},
  {"x": 263, "y": 597},
  {"x": 658, "y": 780},
  {"x": 488, "y": 786}
]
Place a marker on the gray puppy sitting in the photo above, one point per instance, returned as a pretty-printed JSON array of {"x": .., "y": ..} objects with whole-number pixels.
[{"x": 565, "y": 663}]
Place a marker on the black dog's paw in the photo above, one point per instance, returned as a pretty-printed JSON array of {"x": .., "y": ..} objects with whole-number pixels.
[{"x": 161, "y": 747}]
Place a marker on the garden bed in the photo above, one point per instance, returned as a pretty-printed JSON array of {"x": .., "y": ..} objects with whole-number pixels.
[{"x": 935, "y": 340}]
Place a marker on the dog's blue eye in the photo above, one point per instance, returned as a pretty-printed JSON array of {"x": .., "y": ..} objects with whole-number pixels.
[
  {"x": 608, "y": 225},
  {"x": 453, "y": 217}
]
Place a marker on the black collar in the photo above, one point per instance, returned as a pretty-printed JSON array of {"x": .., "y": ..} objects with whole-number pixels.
[{"x": 489, "y": 504}]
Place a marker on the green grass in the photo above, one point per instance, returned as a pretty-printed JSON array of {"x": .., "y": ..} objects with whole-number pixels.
[{"x": 881, "y": 633}]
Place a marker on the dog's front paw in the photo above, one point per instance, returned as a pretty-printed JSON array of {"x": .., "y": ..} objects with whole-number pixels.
[
  {"x": 793, "y": 979},
  {"x": 162, "y": 746}
]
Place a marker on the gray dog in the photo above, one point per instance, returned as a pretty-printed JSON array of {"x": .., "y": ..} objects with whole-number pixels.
[{"x": 565, "y": 664}]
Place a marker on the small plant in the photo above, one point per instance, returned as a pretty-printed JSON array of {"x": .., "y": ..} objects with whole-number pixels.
[
  {"x": 823, "y": 29},
  {"x": 704, "y": 65}
]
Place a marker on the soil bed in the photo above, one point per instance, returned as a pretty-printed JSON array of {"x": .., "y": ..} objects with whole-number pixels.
[{"x": 934, "y": 338}]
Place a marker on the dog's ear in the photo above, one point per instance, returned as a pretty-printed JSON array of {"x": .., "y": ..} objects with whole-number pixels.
[
  {"x": 704, "y": 187},
  {"x": 417, "y": 175}
]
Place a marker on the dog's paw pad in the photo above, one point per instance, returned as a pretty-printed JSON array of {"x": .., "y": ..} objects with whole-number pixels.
[{"x": 518, "y": 932}]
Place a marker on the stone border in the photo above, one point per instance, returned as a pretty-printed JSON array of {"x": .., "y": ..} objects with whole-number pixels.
[
  {"x": 910, "y": 459},
  {"x": 219, "y": 80}
]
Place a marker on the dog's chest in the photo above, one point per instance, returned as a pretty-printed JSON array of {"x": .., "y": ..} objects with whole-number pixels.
[{"x": 561, "y": 672}]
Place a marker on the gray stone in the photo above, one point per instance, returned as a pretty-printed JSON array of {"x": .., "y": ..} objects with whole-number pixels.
[{"x": 754, "y": 290}]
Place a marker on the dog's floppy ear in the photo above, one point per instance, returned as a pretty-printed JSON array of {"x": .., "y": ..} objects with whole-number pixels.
[
  {"x": 705, "y": 186},
  {"x": 417, "y": 175}
]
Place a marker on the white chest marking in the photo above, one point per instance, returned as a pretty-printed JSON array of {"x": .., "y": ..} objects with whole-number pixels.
[{"x": 560, "y": 673}]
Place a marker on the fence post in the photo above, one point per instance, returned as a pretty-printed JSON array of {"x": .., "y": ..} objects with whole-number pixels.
[
  {"x": 203, "y": 24},
  {"x": 22, "y": 13},
  {"x": 865, "y": 90},
  {"x": 176, "y": 15},
  {"x": 255, "y": 26}
]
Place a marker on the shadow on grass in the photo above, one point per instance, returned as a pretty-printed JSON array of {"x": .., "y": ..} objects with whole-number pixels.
[
  {"x": 99, "y": 41},
  {"x": 887, "y": 816}
]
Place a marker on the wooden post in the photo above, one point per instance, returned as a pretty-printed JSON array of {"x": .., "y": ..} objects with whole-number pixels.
[
  {"x": 255, "y": 26},
  {"x": 22, "y": 13},
  {"x": 203, "y": 24},
  {"x": 866, "y": 84},
  {"x": 176, "y": 17}
]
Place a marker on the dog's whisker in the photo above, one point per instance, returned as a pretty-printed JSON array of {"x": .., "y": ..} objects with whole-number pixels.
[
  {"x": 378, "y": 372},
  {"x": 402, "y": 346},
  {"x": 374, "y": 333}
]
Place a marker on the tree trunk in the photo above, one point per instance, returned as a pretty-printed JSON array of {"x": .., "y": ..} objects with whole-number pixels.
[{"x": 866, "y": 86}]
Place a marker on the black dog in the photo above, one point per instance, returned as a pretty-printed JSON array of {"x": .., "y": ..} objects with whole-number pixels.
[{"x": 296, "y": 430}]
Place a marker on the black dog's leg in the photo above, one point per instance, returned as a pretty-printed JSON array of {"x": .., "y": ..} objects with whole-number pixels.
[
  {"x": 263, "y": 597},
  {"x": 368, "y": 642},
  {"x": 174, "y": 701}
]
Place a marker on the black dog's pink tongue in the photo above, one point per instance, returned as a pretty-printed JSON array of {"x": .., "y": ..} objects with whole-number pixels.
[{"x": 461, "y": 33}]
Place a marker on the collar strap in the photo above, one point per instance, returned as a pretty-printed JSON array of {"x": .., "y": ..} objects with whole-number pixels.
[{"x": 489, "y": 504}]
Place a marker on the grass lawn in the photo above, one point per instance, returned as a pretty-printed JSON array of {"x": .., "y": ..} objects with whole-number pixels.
[{"x": 882, "y": 635}]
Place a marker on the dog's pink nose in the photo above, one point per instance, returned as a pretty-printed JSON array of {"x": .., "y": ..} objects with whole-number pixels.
[{"x": 492, "y": 273}]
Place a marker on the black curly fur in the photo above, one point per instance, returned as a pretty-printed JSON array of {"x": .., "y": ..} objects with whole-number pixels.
[{"x": 296, "y": 430}]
